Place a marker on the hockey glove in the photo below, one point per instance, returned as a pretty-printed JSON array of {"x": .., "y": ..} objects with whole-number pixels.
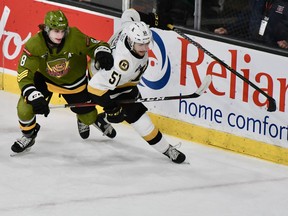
[
  {"x": 103, "y": 58},
  {"x": 160, "y": 20},
  {"x": 38, "y": 102},
  {"x": 115, "y": 115}
]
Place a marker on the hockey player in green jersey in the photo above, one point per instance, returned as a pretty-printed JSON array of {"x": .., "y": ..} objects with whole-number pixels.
[{"x": 55, "y": 61}]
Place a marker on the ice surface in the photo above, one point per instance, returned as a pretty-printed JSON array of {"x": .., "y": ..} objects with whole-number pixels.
[{"x": 64, "y": 175}]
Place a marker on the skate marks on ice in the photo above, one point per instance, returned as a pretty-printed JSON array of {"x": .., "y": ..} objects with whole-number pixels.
[{"x": 65, "y": 175}]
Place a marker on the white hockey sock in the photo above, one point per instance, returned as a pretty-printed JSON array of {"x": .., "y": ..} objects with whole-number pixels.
[{"x": 148, "y": 131}]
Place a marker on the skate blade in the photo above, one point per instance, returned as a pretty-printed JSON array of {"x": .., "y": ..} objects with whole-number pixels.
[
  {"x": 186, "y": 162},
  {"x": 15, "y": 154}
]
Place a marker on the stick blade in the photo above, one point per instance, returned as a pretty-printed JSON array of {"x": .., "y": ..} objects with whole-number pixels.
[
  {"x": 272, "y": 105},
  {"x": 204, "y": 86}
]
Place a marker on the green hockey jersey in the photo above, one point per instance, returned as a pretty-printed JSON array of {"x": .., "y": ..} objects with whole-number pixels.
[{"x": 63, "y": 66}]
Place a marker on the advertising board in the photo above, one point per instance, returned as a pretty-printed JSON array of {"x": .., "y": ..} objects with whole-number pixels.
[{"x": 230, "y": 114}]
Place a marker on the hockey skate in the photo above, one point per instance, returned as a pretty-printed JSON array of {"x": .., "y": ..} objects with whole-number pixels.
[
  {"x": 24, "y": 143},
  {"x": 105, "y": 127},
  {"x": 175, "y": 155},
  {"x": 83, "y": 129}
]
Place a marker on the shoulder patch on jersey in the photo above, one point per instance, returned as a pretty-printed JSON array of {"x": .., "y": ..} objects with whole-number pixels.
[
  {"x": 27, "y": 51},
  {"x": 124, "y": 65},
  {"x": 22, "y": 75}
]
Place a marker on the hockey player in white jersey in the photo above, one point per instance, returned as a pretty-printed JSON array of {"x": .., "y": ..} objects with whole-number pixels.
[{"x": 130, "y": 47}]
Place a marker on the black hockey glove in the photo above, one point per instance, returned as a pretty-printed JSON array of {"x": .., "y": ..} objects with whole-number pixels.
[
  {"x": 103, "y": 58},
  {"x": 160, "y": 21},
  {"x": 115, "y": 115},
  {"x": 38, "y": 102}
]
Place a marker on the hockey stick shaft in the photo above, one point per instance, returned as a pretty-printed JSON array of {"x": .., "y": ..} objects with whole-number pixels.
[
  {"x": 203, "y": 87},
  {"x": 272, "y": 103}
]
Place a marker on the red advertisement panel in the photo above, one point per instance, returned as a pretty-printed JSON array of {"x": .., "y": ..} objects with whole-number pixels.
[{"x": 19, "y": 20}]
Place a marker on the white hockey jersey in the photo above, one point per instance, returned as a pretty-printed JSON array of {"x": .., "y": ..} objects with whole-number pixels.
[{"x": 127, "y": 69}]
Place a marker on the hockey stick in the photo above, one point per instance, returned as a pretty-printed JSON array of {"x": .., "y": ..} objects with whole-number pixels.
[
  {"x": 203, "y": 87},
  {"x": 271, "y": 100}
]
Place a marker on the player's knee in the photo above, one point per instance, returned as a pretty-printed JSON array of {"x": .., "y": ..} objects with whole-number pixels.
[
  {"x": 24, "y": 110},
  {"x": 134, "y": 112},
  {"x": 88, "y": 118}
]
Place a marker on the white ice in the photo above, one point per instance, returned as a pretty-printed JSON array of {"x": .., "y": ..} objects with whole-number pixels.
[{"x": 64, "y": 175}]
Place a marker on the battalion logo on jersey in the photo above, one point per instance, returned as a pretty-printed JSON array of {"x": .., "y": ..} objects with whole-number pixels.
[
  {"x": 124, "y": 65},
  {"x": 58, "y": 68}
]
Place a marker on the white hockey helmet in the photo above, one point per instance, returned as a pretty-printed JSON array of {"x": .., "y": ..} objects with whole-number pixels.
[{"x": 138, "y": 32}]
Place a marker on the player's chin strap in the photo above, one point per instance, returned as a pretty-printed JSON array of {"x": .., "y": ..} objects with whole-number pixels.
[
  {"x": 271, "y": 100},
  {"x": 199, "y": 91}
]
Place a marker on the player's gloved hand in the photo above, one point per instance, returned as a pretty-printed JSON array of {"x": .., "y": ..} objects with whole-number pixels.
[
  {"x": 38, "y": 102},
  {"x": 160, "y": 21},
  {"x": 115, "y": 114},
  {"x": 103, "y": 58}
]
